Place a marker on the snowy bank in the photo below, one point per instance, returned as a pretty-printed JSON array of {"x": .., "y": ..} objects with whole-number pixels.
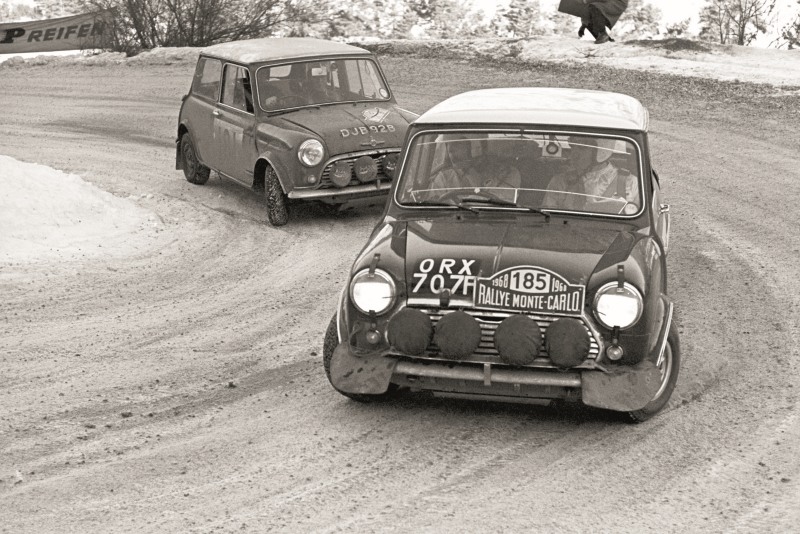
[
  {"x": 46, "y": 215},
  {"x": 681, "y": 57}
]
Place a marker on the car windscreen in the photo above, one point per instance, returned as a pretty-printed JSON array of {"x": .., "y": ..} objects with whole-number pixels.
[
  {"x": 315, "y": 83},
  {"x": 536, "y": 170}
]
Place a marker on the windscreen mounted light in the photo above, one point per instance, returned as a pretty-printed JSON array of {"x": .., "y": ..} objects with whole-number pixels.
[
  {"x": 372, "y": 292},
  {"x": 616, "y": 306},
  {"x": 311, "y": 153}
]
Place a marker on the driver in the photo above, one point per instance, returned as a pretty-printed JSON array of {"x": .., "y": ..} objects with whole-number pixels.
[
  {"x": 593, "y": 182},
  {"x": 317, "y": 90},
  {"x": 460, "y": 170},
  {"x": 272, "y": 95}
]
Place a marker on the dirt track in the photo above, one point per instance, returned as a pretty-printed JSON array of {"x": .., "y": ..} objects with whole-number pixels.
[{"x": 179, "y": 387}]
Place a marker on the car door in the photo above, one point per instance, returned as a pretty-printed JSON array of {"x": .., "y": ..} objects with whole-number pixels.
[
  {"x": 234, "y": 125},
  {"x": 200, "y": 107}
]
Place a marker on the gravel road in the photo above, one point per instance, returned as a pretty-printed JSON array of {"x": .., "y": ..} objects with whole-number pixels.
[{"x": 178, "y": 386}]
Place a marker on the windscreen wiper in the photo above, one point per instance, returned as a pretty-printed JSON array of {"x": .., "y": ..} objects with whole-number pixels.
[
  {"x": 434, "y": 204},
  {"x": 500, "y": 202}
]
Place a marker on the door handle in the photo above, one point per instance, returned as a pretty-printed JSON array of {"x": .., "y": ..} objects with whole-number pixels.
[
  {"x": 215, "y": 113},
  {"x": 663, "y": 208}
]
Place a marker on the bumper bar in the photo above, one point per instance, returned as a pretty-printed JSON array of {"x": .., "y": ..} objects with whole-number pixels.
[
  {"x": 488, "y": 374},
  {"x": 375, "y": 188}
]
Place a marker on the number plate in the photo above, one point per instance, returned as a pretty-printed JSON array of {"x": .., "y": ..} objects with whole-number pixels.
[{"x": 529, "y": 289}]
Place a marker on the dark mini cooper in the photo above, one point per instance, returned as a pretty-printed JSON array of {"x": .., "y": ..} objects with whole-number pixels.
[
  {"x": 521, "y": 257},
  {"x": 296, "y": 119}
]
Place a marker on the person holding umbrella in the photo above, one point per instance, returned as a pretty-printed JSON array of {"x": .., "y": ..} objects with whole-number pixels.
[{"x": 599, "y": 15}]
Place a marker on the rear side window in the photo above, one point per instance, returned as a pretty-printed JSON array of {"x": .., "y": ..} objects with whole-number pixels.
[{"x": 206, "y": 78}]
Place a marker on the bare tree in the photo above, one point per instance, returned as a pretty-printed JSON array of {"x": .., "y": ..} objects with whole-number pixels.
[
  {"x": 521, "y": 18},
  {"x": 678, "y": 29},
  {"x": 445, "y": 19},
  {"x": 380, "y": 18},
  {"x": 145, "y": 24},
  {"x": 15, "y": 12},
  {"x": 204, "y": 22},
  {"x": 791, "y": 32},
  {"x": 735, "y": 21},
  {"x": 640, "y": 20}
]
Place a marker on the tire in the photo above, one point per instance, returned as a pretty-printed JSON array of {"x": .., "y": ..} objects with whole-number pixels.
[
  {"x": 194, "y": 171},
  {"x": 277, "y": 213},
  {"x": 670, "y": 367},
  {"x": 331, "y": 341}
]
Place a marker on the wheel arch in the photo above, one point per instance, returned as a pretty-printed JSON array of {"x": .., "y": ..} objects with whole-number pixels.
[
  {"x": 259, "y": 172},
  {"x": 182, "y": 130}
]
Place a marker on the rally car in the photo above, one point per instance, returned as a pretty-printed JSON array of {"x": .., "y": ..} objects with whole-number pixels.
[
  {"x": 521, "y": 257},
  {"x": 293, "y": 118}
]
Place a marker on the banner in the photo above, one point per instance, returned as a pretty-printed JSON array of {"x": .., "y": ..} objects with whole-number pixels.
[
  {"x": 574, "y": 7},
  {"x": 78, "y": 32}
]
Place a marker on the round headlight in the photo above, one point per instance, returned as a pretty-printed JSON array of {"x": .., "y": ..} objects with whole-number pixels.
[
  {"x": 615, "y": 306},
  {"x": 311, "y": 153},
  {"x": 372, "y": 292}
]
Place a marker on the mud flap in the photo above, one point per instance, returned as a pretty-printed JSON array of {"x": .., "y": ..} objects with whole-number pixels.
[
  {"x": 178, "y": 159},
  {"x": 623, "y": 389},
  {"x": 353, "y": 374}
]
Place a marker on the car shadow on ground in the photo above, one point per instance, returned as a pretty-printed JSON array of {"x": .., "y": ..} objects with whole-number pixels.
[
  {"x": 228, "y": 197},
  {"x": 305, "y": 213},
  {"x": 559, "y": 412}
]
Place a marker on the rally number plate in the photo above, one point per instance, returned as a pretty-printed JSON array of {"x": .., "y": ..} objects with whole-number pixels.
[{"x": 529, "y": 290}]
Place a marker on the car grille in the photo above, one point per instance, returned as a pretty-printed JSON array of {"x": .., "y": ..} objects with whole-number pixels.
[
  {"x": 489, "y": 321},
  {"x": 326, "y": 183}
]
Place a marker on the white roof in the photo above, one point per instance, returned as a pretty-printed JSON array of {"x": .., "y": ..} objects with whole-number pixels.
[
  {"x": 279, "y": 48},
  {"x": 543, "y": 106}
]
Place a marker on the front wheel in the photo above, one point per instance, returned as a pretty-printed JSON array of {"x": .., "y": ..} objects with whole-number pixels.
[
  {"x": 194, "y": 171},
  {"x": 668, "y": 366},
  {"x": 277, "y": 213},
  {"x": 331, "y": 341}
]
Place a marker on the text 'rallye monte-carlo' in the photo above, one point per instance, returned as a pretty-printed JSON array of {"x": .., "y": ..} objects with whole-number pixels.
[
  {"x": 521, "y": 257},
  {"x": 295, "y": 118}
]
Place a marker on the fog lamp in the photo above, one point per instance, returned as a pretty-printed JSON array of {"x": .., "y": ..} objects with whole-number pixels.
[
  {"x": 389, "y": 164},
  {"x": 373, "y": 337},
  {"x": 340, "y": 174},
  {"x": 567, "y": 342},
  {"x": 365, "y": 168},
  {"x": 614, "y": 352}
]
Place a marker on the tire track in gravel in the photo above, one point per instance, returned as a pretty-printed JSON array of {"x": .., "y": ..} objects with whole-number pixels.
[{"x": 222, "y": 299}]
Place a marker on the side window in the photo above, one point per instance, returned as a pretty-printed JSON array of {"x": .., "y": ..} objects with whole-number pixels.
[
  {"x": 236, "y": 90},
  {"x": 206, "y": 78}
]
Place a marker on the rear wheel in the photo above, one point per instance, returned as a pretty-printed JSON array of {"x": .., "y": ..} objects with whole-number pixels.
[
  {"x": 194, "y": 171},
  {"x": 277, "y": 213},
  {"x": 331, "y": 341},
  {"x": 668, "y": 366}
]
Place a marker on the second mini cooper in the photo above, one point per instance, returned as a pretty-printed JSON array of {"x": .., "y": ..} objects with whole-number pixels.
[{"x": 296, "y": 119}]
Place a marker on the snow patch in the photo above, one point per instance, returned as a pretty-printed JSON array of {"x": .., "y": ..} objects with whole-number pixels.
[{"x": 46, "y": 214}]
